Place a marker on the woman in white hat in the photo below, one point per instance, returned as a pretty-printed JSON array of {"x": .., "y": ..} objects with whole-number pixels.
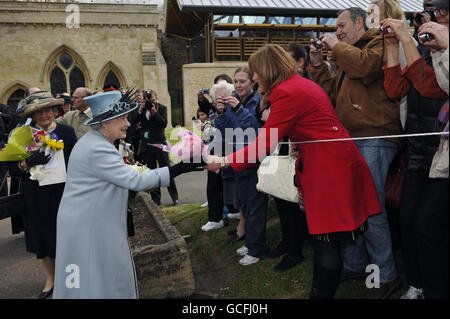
[
  {"x": 93, "y": 257},
  {"x": 41, "y": 202}
]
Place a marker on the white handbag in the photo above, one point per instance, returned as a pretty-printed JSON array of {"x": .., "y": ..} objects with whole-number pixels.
[{"x": 276, "y": 175}]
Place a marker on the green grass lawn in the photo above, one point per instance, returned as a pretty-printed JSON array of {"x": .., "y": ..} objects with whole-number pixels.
[{"x": 216, "y": 263}]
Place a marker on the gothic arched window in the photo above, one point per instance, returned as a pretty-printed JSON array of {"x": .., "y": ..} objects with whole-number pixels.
[
  {"x": 66, "y": 76},
  {"x": 14, "y": 98},
  {"x": 111, "y": 79}
]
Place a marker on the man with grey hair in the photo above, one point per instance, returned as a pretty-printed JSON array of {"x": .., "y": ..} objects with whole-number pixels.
[
  {"x": 365, "y": 110},
  {"x": 81, "y": 114}
]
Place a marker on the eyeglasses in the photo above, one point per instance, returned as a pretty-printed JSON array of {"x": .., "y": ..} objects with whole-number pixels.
[{"x": 76, "y": 97}]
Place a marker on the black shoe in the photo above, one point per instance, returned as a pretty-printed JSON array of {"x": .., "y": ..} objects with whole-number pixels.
[
  {"x": 386, "y": 289},
  {"x": 279, "y": 251},
  {"x": 235, "y": 238},
  {"x": 353, "y": 275},
  {"x": 45, "y": 294},
  {"x": 288, "y": 262}
]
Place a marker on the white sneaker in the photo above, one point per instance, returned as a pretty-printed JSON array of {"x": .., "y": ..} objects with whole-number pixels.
[
  {"x": 248, "y": 260},
  {"x": 242, "y": 251},
  {"x": 204, "y": 204},
  {"x": 413, "y": 293},
  {"x": 234, "y": 216},
  {"x": 212, "y": 225}
]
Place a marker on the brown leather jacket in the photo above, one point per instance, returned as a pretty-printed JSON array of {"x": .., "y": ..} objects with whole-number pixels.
[{"x": 362, "y": 104}]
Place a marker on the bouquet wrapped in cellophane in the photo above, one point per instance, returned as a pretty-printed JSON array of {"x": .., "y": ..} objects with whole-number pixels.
[
  {"x": 16, "y": 148},
  {"x": 190, "y": 146},
  {"x": 25, "y": 140}
]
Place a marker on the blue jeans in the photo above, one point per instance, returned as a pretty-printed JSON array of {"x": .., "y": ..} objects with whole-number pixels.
[
  {"x": 376, "y": 240},
  {"x": 254, "y": 209}
]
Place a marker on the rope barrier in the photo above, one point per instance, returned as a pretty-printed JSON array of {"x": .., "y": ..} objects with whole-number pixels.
[{"x": 364, "y": 138}]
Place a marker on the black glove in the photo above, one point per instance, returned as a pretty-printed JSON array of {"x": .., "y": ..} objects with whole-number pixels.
[
  {"x": 37, "y": 158},
  {"x": 183, "y": 167}
]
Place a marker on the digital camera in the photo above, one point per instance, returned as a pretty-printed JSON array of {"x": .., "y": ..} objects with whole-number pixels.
[
  {"x": 385, "y": 30},
  {"x": 318, "y": 44},
  {"x": 148, "y": 94},
  {"x": 204, "y": 91},
  {"x": 418, "y": 17},
  {"x": 426, "y": 37}
]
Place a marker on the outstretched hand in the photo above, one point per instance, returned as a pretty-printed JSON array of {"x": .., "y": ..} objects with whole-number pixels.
[
  {"x": 214, "y": 163},
  {"x": 194, "y": 164}
]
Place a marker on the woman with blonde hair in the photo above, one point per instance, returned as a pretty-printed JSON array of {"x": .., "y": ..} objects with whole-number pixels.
[
  {"x": 328, "y": 174},
  {"x": 389, "y": 9}
]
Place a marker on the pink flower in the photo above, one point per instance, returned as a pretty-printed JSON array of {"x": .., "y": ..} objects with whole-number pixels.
[{"x": 190, "y": 146}]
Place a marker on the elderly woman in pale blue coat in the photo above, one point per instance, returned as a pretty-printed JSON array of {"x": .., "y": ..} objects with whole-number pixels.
[{"x": 93, "y": 256}]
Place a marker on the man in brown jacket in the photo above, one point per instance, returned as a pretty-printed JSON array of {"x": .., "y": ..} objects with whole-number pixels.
[{"x": 365, "y": 110}]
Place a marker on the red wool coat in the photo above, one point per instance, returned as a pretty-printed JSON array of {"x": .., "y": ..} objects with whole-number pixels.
[{"x": 333, "y": 177}]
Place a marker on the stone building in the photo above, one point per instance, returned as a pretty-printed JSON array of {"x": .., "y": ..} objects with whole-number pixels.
[{"x": 59, "y": 45}]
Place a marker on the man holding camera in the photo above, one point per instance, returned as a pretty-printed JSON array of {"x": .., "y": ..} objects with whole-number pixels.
[
  {"x": 153, "y": 118},
  {"x": 365, "y": 110}
]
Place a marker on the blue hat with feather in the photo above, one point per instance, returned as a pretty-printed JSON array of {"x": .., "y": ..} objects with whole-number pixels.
[{"x": 109, "y": 105}]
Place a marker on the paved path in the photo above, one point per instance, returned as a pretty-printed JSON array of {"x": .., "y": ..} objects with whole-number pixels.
[{"x": 22, "y": 275}]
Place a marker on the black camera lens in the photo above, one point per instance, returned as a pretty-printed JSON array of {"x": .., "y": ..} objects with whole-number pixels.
[
  {"x": 148, "y": 94},
  {"x": 318, "y": 44},
  {"x": 418, "y": 18}
]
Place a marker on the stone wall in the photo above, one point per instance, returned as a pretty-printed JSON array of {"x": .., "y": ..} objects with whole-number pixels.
[
  {"x": 201, "y": 75},
  {"x": 124, "y": 36}
]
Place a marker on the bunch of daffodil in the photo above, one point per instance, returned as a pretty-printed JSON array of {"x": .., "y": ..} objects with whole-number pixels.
[{"x": 52, "y": 144}]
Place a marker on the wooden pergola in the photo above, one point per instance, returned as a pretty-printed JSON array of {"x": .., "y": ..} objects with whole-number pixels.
[{"x": 245, "y": 38}]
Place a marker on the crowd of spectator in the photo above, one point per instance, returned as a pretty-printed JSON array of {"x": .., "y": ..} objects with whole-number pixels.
[{"x": 378, "y": 88}]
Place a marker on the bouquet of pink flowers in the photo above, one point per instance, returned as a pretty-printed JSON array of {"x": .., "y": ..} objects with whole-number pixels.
[{"x": 190, "y": 146}]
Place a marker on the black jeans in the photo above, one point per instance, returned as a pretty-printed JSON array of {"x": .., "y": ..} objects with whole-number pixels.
[
  {"x": 424, "y": 229},
  {"x": 432, "y": 237},
  {"x": 414, "y": 185},
  {"x": 214, "y": 194},
  {"x": 151, "y": 157},
  {"x": 293, "y": 227}
]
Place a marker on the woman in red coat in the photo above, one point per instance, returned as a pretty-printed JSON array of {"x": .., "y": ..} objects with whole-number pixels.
[{"x": 333, "y": 177}]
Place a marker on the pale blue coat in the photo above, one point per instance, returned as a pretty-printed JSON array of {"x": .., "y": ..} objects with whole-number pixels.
[{"x": 92, "y": 222}]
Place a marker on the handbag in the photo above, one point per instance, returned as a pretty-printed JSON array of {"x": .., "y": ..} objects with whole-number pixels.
[
  {"x": 276, "y": 175},
  {"x": 13, "y": 204},
  {"x": 394, "y": 184}
]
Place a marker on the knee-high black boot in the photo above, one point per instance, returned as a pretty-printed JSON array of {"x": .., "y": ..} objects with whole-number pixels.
[{"x": 327, "y": 270}]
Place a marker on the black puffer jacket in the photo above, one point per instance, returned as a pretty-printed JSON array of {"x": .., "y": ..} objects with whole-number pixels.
[{"x": 421, "y": 118}]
